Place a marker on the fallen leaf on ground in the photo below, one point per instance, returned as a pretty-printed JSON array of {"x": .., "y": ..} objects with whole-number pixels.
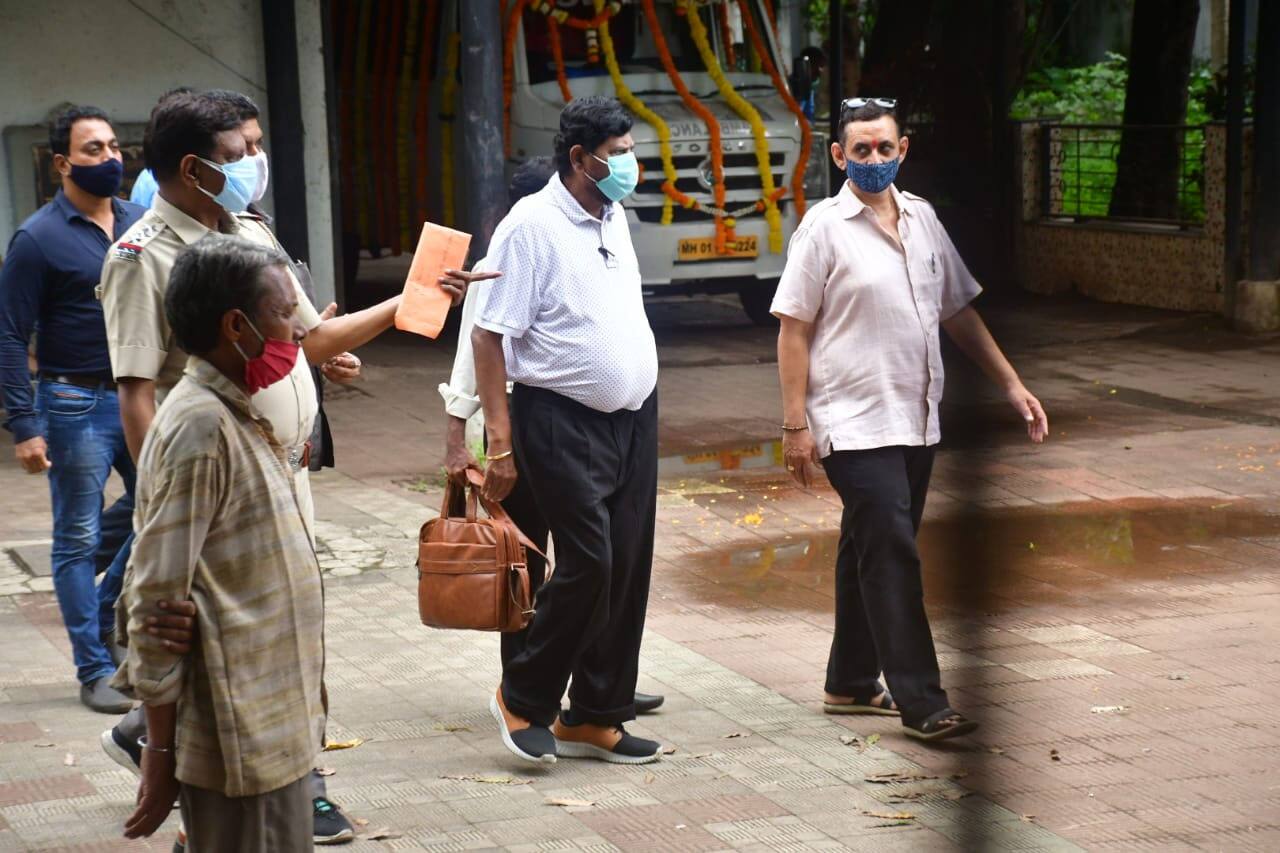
[
  {"x": 382, "y": 835},
  {"x": 735, "y": 734},
  {"x": 872, "y": 740},
  {"x": 956, "y": 794},
  {"x": 488, "y": 780},
  {"x": 69, "y": 760},
  {"x": 668, "y": 750},
  {"x": 569, "y": 802},
  {"x": 451, "y": 727},
  {"x": 360, "y": 821},
  {"x": 325, "y": 771},
  {"x": 1178, "y": 676},
  {"x": 343, "y": 744},
  {"x": 1054, "y": 755},
  {"x": 1026, "y": 818},
  {"x": 649, "y": 778},
  {"x": 701, "y": 755},
  {"x": 898, "y": 778},
  {"x": 43, "y": 744},
  {"x": 1109, "y": 709},
  {"x": 891, "y": 815},
  {"x": 849, "y": 740},
  {"x": 995, "y": 750},
  {"x": 681, "y": 826},
  {"x": 959, "y": 774}
]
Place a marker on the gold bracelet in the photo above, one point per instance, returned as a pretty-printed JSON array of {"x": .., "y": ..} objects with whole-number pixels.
[
  {"x": 789, "y": 428},
  {"x": 497, "y": 458}
]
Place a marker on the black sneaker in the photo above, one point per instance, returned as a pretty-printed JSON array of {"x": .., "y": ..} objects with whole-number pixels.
[
  {"x": 123, "y": 751},
  {"x": 331, "y": 826}
]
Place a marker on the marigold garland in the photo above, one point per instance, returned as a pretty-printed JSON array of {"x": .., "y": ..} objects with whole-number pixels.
[
  {"x": 806, "y": 133},
  {"x": 748, "y": 112},
  {"x": 603, "y": 14},
  {"x": 448, "y": 96},
  {"x": 637, "y": 106},
  {"x": 508, "y": 70},
  {"x": 697, "y": 107},
  {"x": 721, "y": 14},
  {"x": 557, "y": 54}
]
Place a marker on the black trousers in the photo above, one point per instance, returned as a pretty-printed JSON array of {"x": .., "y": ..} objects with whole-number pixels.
[
  {"x": 522, "y": 506},
  {"x": 881, "y": 625},
  {"x": 595, "y": 478}
]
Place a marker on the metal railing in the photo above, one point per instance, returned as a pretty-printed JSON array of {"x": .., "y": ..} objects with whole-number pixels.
[{"x": 1130, "y": 173}]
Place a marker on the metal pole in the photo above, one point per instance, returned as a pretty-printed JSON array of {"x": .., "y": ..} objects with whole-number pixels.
[
  {"x": 284, "y": 105},
  {"x": 1264, "y": 207},
  {"x": 482, "y": 149},
  {"x": 1235, "y": 153},
  {"x": 835, "y": 76}
]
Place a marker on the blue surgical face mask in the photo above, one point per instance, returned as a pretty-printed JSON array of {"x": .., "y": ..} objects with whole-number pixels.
[
  {"x": 624, "y": 174},
  {"x": 237, "y": 190},
  {"x": 101, "y": 179},
  {"x": 872, "y": 177}
]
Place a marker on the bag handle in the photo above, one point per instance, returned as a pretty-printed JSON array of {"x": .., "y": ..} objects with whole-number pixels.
[
  {"x": 475, "y": 481},
  {"x": 459, "y": 501}
]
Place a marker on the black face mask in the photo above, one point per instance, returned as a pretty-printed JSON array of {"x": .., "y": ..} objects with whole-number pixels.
[{"x": 102, "y": 179}]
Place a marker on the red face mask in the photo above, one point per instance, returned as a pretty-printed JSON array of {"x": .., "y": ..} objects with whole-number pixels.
[{"x": 276, "y": 362}]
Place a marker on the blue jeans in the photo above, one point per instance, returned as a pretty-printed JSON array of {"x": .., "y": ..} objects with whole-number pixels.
[{"x": 86, "y": 440}]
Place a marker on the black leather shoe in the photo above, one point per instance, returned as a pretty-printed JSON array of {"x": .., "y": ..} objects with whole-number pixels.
[{"x": 647, "y": 703}]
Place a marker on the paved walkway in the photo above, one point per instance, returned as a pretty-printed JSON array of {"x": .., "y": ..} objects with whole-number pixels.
[{"x": 1105, "y": 605}]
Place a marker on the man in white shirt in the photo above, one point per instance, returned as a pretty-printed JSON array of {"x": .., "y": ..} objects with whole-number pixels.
[
  {"x": 582, "y": 431},
  {"x": 870, "y": 276},
  {"x": 461, "y": 403}
]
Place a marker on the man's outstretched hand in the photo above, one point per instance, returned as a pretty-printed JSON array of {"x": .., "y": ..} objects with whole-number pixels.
[{"x": 456, "y": 282}]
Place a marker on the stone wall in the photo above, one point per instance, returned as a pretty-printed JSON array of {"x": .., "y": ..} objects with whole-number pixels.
[{"x": 1115, "y": 261}]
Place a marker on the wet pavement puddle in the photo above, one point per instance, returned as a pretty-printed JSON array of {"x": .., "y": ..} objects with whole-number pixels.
[{"x": 1072, "y": 554}]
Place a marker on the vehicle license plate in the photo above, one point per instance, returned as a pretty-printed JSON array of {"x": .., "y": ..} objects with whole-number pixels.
[{"x": 704, "y": 248}]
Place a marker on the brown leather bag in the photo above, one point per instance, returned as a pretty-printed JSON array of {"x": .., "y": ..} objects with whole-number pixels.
[{"x": 472, "y": 571}]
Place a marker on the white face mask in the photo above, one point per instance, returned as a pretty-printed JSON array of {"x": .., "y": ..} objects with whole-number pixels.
[{"x": 260, "y": 162}]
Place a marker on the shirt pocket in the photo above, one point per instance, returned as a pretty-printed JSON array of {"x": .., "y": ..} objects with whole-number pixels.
[{"x": 68, "y": 401}]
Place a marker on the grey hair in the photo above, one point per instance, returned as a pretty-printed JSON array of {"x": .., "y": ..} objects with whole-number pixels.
[{"x": 214, "y": 275}]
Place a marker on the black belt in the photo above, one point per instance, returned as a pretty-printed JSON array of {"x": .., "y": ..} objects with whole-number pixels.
[{"x": 92, "y": 383}]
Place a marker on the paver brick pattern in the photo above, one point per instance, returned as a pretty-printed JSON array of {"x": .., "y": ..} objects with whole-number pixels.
[{"x": 1104, "y": 604}]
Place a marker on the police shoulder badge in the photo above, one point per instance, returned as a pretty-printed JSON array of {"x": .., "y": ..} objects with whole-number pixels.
[{"x": 128, "y": 251}]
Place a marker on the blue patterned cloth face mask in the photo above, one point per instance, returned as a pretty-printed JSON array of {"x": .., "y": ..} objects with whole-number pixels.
[
  {"x": 872, "y": 177},
  {"x": 624, "y": 174},
  {"x": 237, "y": 190}
]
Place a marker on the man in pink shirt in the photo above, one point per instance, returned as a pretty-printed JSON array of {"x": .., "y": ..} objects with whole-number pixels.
[{"x": 871, "y": 275}]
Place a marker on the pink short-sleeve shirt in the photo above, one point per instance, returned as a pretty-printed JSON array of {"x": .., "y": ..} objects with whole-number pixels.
[{"x": 875, "y": 360}]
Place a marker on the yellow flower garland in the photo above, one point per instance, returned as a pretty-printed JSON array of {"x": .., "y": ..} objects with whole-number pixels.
[
  {"x": 746, "y": 111},
  {"x": 637, "y": 106},
  {"x": 448, "y": 93}
]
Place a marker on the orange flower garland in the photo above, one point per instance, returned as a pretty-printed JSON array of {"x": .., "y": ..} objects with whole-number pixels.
[
  {"x": 726, "y": 34},
  {"x": 698, "y": 109},
  {"x": 806, "y": 133},
  {"x": 557, "y": 53},
  {"x": 508, "y": 70}
]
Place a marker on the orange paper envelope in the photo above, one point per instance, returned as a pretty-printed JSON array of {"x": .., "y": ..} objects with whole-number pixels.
[{"x": 425, "y": 302}]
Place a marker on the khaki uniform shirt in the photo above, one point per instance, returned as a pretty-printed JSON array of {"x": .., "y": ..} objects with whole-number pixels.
[
  {"x": 218, "y": 522},
  {"x": 134, "y": 278},
  {"x": 875, "y": 359}
]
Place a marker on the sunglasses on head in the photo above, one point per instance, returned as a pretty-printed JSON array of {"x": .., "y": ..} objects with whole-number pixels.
[{"x": 859, "y": 103}]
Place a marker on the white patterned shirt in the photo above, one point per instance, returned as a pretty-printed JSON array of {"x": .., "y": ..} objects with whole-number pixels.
[
  {"x": 875, "y": 360},
  {"x": 574, "y": 318}
]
